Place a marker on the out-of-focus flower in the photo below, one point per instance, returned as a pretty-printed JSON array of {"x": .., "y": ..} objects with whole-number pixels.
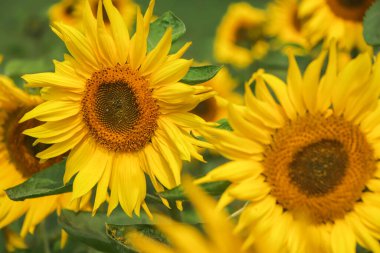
[
  {"x": 18, "y": 161},
  {"x": 71, "y": 11},
  {"x": 340, "y": 19},
  {"x": 219, "y": 236},
  {"x": 285, "y": 24},
  {"x": 13, "y": 240},
  {"x": 215, "y": 108},
  {"x": 239, "y": 38}
]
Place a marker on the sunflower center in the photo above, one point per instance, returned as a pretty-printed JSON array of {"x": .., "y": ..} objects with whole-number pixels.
[
  {"x": 206, "y": 109},
  {"x": 119, "y": 110},
  {"x": 350, "y": 9},
  {"x": 20, "y": 147},
  {"x": 246, "y": 35},
  {"x": 319, "y": 166},
  {"x": 116, "y": 107},
  {"x": 296, "y": 20}
]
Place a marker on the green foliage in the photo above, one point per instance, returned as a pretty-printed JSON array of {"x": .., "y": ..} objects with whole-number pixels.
[
  {"x": 158, "y": 28},
  {"x": 118, "y": 234},
  {"x": 91, "y": 230},
  {"x": 201, "y": 74},
  {"x": 371, "y": 23},
  {"x": 212, "y": 188},
  {"x": 224, "y": 124},
  {"x": 43, "y": 183}
]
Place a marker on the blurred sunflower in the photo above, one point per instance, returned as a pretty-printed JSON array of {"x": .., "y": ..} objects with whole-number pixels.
[
  {"x": 120, "y": 110},
  {"x": 285, "y": 24},
  {"x": 308, "y": 163},
  {"x": 70, "y": 12},
  {"x": 215, "y": 108},
  {"x": 13, "y": 241},
  {"x": 187, "y": 239},
  {"x": 239, "y": 37},
  {"x": 340, "y": 19},
  {"x": 18, "y": 162}
]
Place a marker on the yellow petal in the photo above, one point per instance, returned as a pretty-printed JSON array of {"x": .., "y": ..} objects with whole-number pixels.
[
  {"x": 89, "y": 175},
  {"x": 158, "y": 55},
  {"x": 53, "y": 111},
  {"x": 119, "y": 31},
  {"x": 171, "y": 72}
]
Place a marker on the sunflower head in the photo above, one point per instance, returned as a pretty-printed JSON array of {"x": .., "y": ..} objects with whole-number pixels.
[
  {"x": 340, "y": 19},
  {"x": 18, "y": 149},
  {"x": 19, "y": 163},
  {"x": 215, "y": 108},
  {"x": 239, "y": 37},
  {"x": 118, "y": 109},
  {"x": 308, "y": 160},
  {"x": 71, "y": 11},
  {"x": 285, "y": 24}
]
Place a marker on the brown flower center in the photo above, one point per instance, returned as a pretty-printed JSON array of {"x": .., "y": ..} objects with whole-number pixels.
[
  {"x": 247, "y": 35},
  {"x": 119, "y": 110},
  {"x": 20, "y": 147},
  {"x": 319, "y": 166},
  {"x": 206, "y": 109},
  {"x": 350, "y": 9}
]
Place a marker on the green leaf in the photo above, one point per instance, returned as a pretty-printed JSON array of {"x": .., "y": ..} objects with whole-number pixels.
[
  {"x": 224, "y": 124},
  {"x": 91, "y": 230},
  {"x": 158, "y": 28},
  {"x": 118, "y": 235},
  {"x": 201, "y": 74},
  {"x": 212, "y": 188},
  {"x": 360, "y": 249},
  {"x": 371, "y": 23},
  {"x": 44, "y": 183}
]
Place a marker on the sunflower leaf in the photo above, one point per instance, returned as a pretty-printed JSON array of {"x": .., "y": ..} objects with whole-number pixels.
[
  {"x": 201, "y": 74},
  {"x": 158, "y": 28},
  {"x": 91, "y": 230},
  {"x": 212, "y": 188},
  {"x": 371, "y": 25},
  {"x": 118, "y": 234},
  {"x": 224, "y": 124},
  {"x": 44, "y": 183}
]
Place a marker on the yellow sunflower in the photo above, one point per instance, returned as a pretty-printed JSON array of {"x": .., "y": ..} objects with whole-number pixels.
[
  {"x": 308, "y": 163},
  {"x": 120, "y": 110},
  {"x": 215, "y": 108},
  {"x": 340, "y": 19},
  {"x": 70, "y": 12},
  {"x": 284, "y": 22},
  {"x": 13, "y": 241},
  {"x": 185, "y": 238},
  {"x": 18, "y": 162},
  {"x": 239, "y": 37}
]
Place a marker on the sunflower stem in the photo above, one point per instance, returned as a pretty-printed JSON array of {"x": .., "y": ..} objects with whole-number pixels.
[{"x": 45, "y": 240}]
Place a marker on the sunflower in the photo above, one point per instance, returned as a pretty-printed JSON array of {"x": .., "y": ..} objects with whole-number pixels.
[
  {"x": 239, "y": 38},
  {"x": 18, "y": 162},
  {"x": 215, "y": 108},
  {"x": 307, "y": 161},
  {"x": 71, "y": 11},
  {"x": 340, "y": 19},
  {"x": 13, "y": 241},
  {"x": 285, "y": 24},
  {"x": 185, "y": 238},
  {"x": 120, "y": 110}
]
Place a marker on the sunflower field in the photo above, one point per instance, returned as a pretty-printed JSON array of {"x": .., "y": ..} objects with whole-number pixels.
[{"x": 164, "y": 126}]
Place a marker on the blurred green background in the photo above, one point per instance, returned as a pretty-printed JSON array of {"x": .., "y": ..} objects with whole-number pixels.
[{"x": 28, "y": 44}]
